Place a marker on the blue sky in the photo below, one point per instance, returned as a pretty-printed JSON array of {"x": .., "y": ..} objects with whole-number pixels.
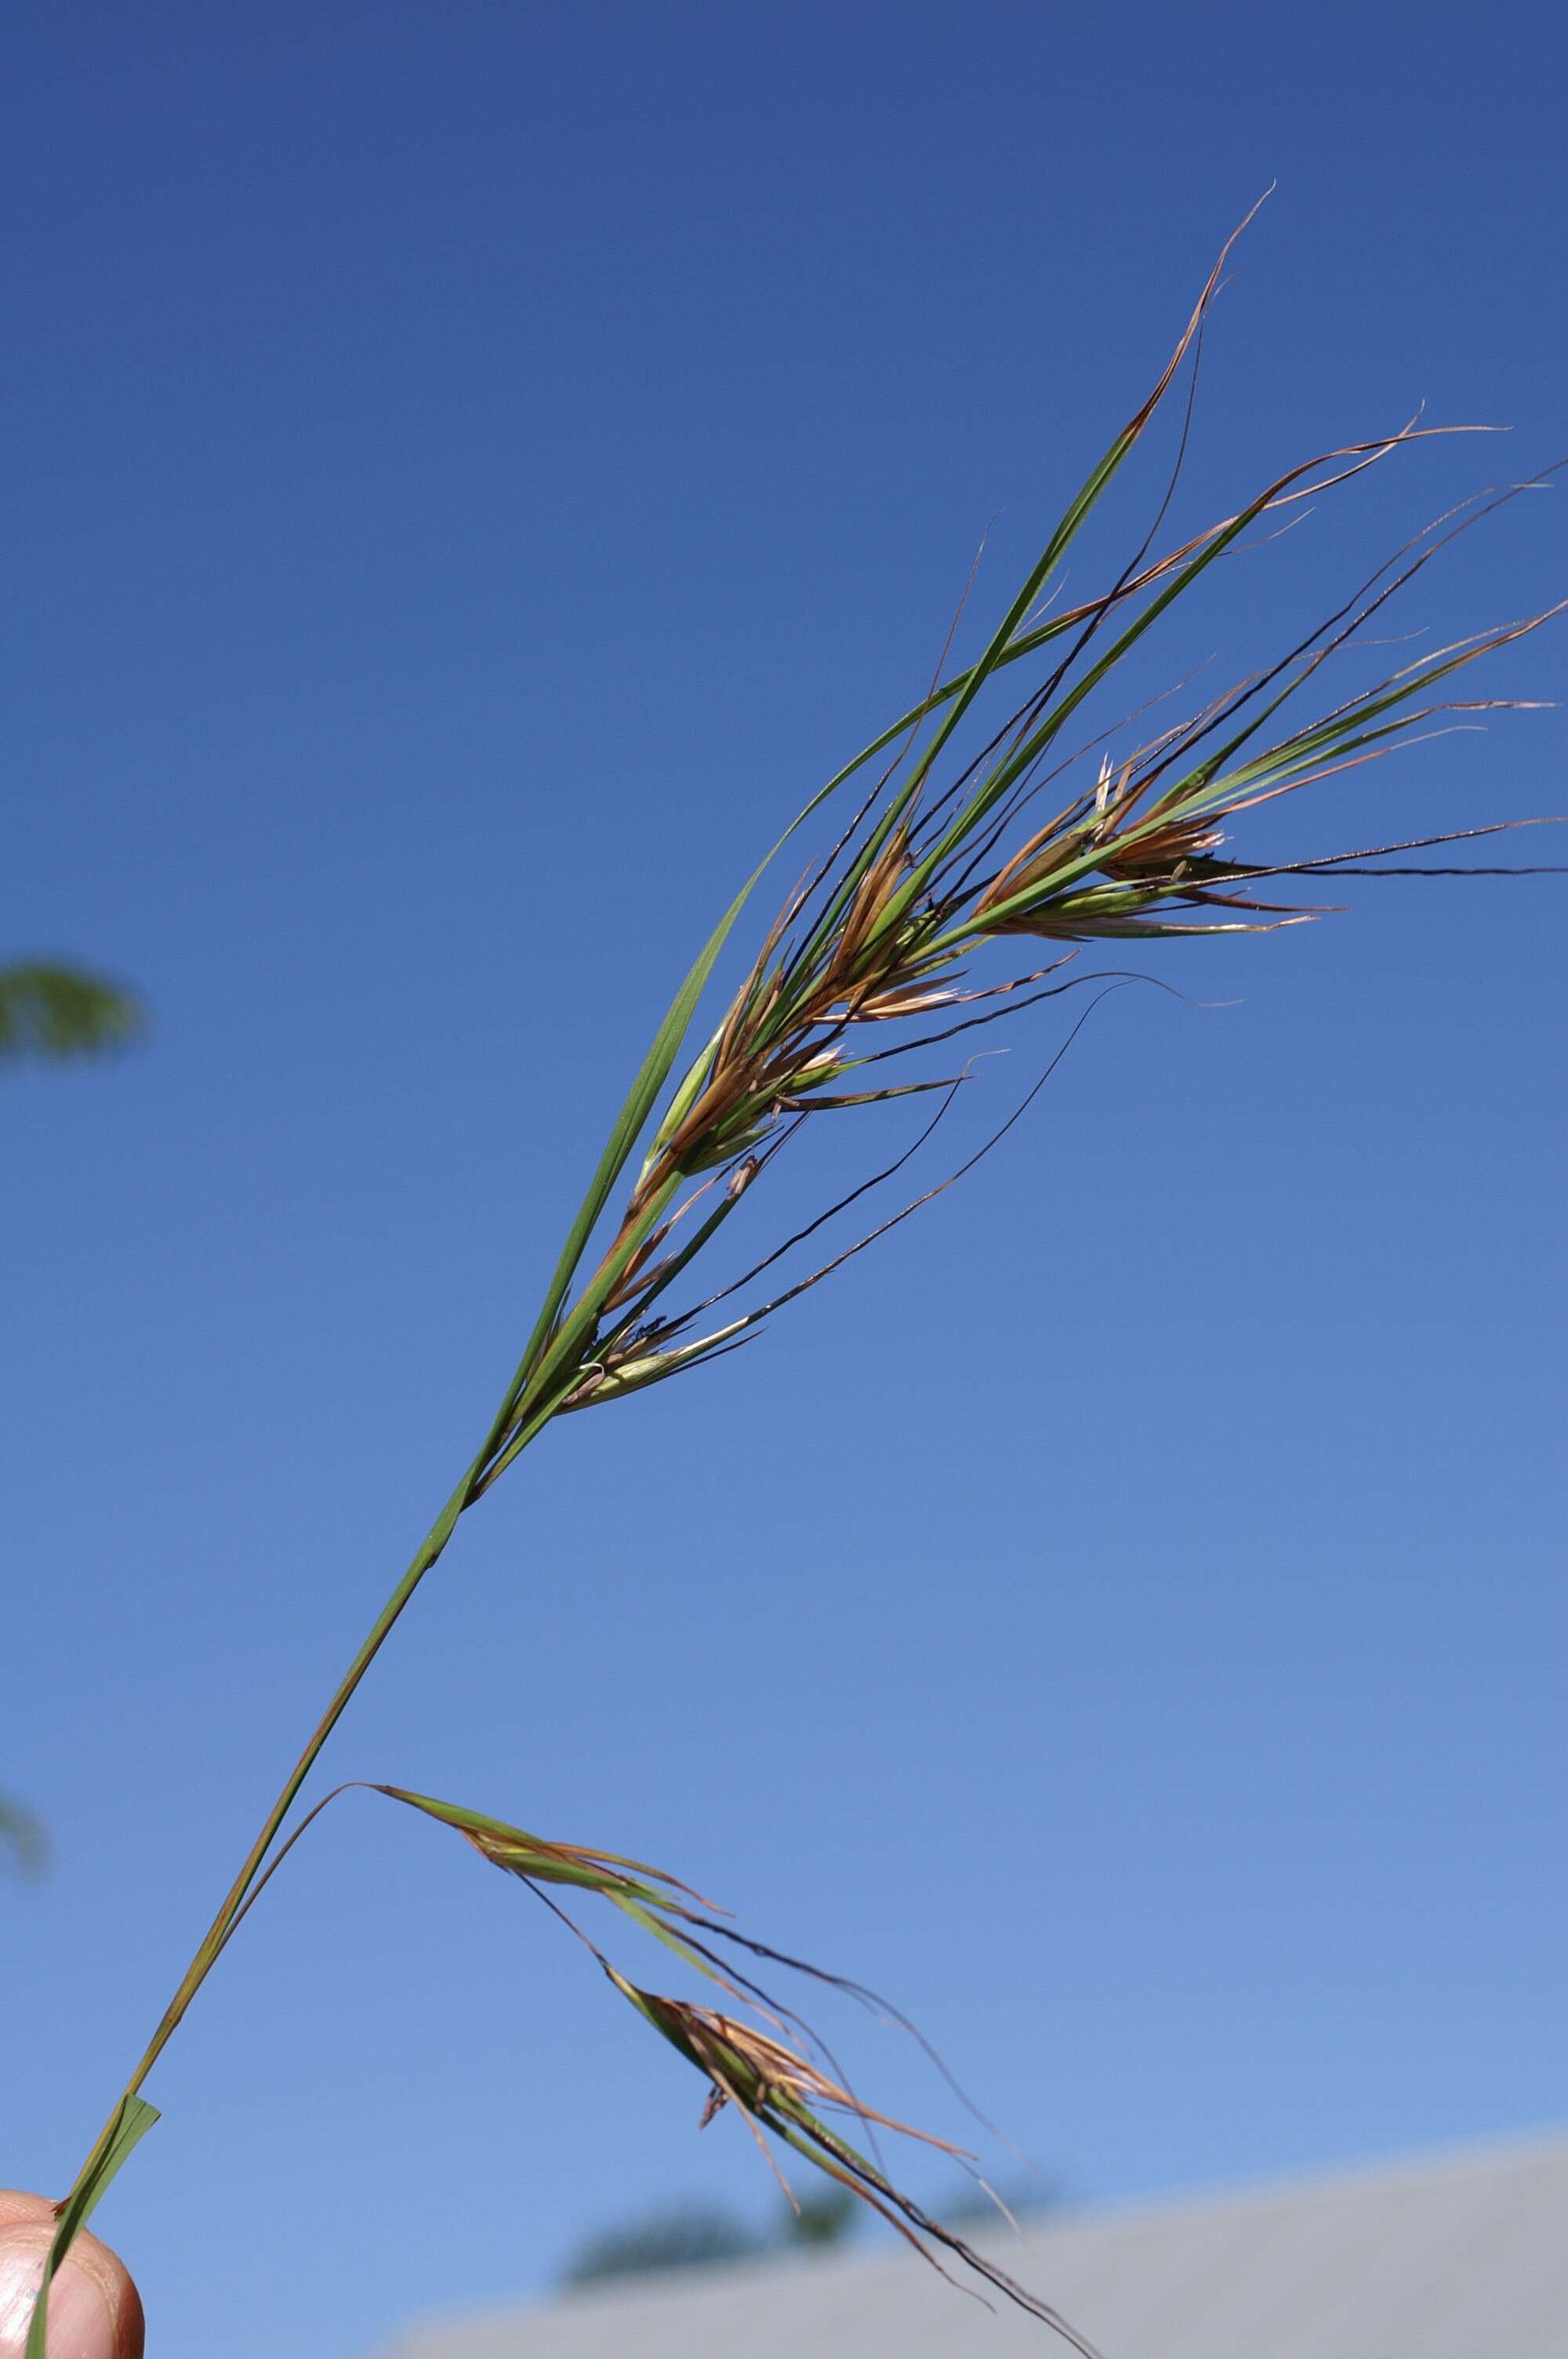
[{"x": 468, "y": 473}]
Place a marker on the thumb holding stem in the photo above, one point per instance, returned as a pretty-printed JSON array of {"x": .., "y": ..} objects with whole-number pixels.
[{"x": 95, "y": 2312}]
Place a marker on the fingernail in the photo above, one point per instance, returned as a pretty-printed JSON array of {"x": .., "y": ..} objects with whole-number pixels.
[{"x": 80, "y": 2326}]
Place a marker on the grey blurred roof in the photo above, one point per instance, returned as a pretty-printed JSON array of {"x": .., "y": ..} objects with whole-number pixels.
[{"x": 1461, "y": 2257}]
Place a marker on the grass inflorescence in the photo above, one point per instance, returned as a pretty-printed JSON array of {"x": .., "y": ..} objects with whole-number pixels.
[{"x": 963, "y": 888}]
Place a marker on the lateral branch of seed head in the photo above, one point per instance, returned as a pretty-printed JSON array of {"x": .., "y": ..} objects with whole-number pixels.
[{"x": 773, "y": 2085}]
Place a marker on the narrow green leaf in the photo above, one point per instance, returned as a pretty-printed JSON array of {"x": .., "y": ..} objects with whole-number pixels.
[
  {"x": 132, "y": 2123},
  {"x": 652, "y": 1075},
  {"x": 1080, "y": 507},
  {"x": 498, "y": 1832},
  {"x": 657, "y": 1902}
]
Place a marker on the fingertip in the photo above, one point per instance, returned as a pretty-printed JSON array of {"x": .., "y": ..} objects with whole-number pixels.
[{"x": 95, "y": 2312}]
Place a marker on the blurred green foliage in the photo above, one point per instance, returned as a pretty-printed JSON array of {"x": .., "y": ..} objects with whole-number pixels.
[
  {"x": 52, "y": 1011},
  {"x": 21, "y": 1838}
]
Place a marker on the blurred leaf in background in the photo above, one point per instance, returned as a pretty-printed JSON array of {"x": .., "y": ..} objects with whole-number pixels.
[
  {"x": 52, "y": 1011},
  {"x": 686, "y": 2236},
  {"x": 825, "y": 2219},
  {"x": 23, "y": 1843}
]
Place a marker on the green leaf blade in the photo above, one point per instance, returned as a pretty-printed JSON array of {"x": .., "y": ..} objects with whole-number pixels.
[{"x": 131, "y": 2124}]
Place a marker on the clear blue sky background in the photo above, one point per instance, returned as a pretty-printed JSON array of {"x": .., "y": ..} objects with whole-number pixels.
[{"x": 469, "y": 472}]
